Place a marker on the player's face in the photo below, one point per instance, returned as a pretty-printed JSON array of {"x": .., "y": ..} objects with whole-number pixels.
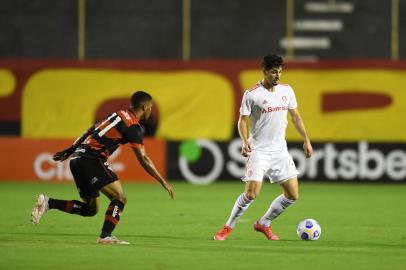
[
  {"x": 273, "y": 75},
  {"x": 147, "y": 109}
]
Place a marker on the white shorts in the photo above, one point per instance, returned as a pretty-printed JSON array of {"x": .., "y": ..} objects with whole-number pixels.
[{"x": 277, "y": 167}]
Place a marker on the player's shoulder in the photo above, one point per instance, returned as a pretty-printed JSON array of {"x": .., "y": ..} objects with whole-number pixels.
[
  {"x": 285, "y": 87},
  {"x": 254, "y": 88},
  {"x": 128, "y": 117}
]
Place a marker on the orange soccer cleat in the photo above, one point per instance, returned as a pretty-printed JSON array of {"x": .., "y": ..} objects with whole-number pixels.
[
  {"x": 222, "y": 234},
  {"x": 265, "y": 230}
]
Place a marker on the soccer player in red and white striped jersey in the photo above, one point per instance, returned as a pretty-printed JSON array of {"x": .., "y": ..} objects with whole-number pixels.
[{"x": 92, "y": 173}]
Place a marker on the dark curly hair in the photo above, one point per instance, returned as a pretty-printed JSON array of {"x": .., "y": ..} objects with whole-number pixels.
[
  {"x": 272, "y": 60},
  {"x": 138, "y": 98}
]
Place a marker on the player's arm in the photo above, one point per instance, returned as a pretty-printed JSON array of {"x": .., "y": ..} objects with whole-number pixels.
[
  {"x": 299, "y": 125},
  {"x": 243, "y": 128},
  {"x": 64, "y": 154},
  {"x": 244, "y": 123},
  {"x": 149, "y": 167}
]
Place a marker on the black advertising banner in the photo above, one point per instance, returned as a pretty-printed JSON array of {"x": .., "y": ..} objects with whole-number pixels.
[{"x": 206, "y": 161}]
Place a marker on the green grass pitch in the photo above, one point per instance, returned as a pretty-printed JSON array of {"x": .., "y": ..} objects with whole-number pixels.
[{"x": 363, "y": 227}]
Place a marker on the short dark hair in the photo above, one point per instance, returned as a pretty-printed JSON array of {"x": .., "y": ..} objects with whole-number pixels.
[
  {"x": 272, "y": 60},
  {"x": 139, "y": 97}
]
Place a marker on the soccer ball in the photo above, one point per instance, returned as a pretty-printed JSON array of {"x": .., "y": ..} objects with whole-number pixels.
[{"x": 308, "y": 229}]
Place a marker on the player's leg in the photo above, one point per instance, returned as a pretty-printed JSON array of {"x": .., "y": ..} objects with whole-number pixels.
[
  {"x": 284, "y": 172},
  {"x": 283, "y": 201},
  {"x": 277, "y": 207},
  {"x": 82, "y": 172},
  {"x": 291, "y": 189},
  {"x": 89, "y": 194},
  {"x": 114, "y": 191},
  {"x": 252, "y": 190},
  {"x": 254, "y": 172},
  {"x": 43, "y": 204},
  {"x": 88, "y": 208}
]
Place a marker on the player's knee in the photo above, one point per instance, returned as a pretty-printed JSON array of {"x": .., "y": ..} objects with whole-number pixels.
[
  {"x": 122, "y": 198},
  {"x": 89, "y": 211},
  {"x": 92, "y": 212},
  {"x": 293, "y": 197},
  {"x": 251, "y": 195}
]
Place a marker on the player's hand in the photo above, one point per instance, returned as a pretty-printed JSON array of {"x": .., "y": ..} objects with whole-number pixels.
[
  {"x": 63, "y": 155},
  {"x": 246, "y": 149},
  {"x": 169, "y": 188},
  {"x": 308, "y": 149}
]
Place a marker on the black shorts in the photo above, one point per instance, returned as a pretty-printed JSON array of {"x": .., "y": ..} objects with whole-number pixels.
[{"x": 91, "y": 175}]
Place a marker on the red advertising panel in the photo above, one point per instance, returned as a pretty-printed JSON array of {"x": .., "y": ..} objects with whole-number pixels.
[{"x": 31, "y": 159}]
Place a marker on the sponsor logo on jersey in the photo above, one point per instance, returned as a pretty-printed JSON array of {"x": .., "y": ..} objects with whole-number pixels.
[
  {"x": 94, "y": 180},
  {"x": 274, "y": 109},
  {"x": 284, "y": 99},
  {"x": 126, "y": 115}
]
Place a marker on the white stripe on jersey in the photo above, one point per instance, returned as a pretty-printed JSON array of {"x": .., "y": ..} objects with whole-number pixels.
[{"x": 110, "y": 126}]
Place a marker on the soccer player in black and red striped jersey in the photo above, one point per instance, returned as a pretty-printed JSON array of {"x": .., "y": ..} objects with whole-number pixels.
[{"x": 92, "y": 173}]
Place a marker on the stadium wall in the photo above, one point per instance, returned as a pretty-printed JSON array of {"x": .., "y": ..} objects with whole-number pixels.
[
  {"x": 237, "y": 29},
  {"x": 353, "y": 111}
]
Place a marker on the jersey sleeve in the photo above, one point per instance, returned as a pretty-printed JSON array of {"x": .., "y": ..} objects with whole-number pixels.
[
  {"x": 134, "y": 136},
  {"x": 292, "y": 100},
  {"x": 246, "y": 104}
]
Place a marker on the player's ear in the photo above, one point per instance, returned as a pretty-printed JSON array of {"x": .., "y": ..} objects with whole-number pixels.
[{"x": 143, "y": 107}]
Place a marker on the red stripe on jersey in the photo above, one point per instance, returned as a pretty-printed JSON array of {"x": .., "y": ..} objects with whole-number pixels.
[
  {"x": 113, "y": 134},
  {"x": 254, "y": 87},
  {"x": 108, "y": 135},
  {"x": 93, "y": 144},
  {"x": 104, "y": 154},
  {"x": 103, "y": 124},
  {"x": 128, "y": 117}
]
